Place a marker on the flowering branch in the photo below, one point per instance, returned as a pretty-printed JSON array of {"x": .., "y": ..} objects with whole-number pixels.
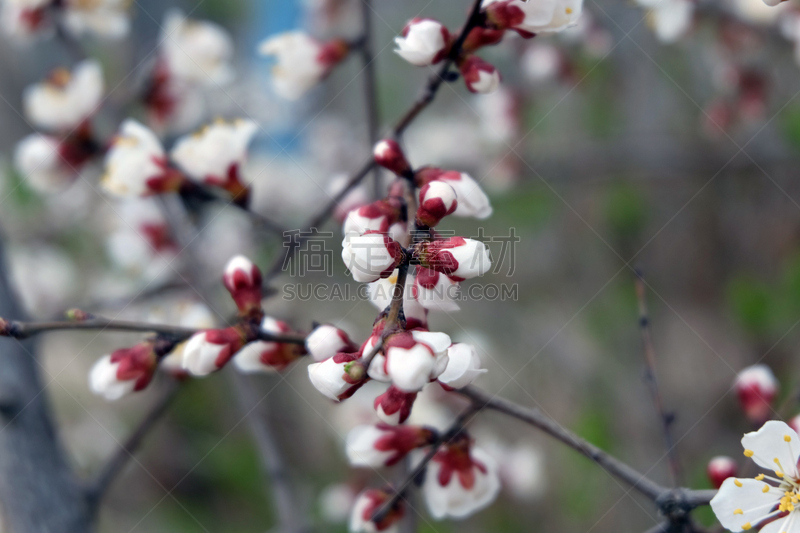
[
  {"x": 23, "y": 330},
  {"x": 652, "y": 381},
  {"x": 103, "y": 480},
  {"x": 429, "y": 92}
]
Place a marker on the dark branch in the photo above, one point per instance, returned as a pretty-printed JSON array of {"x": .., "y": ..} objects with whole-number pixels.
[
  {"x": 651, "y": 379},
  {"x": 114, "y": 466}
]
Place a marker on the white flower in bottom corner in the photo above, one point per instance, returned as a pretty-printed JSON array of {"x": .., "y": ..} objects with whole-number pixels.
[
  {"x": 769, "y": 503},
  {"x": 460, "y": 480}
]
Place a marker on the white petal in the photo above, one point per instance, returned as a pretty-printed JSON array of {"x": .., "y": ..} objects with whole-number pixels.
[
  {"x": 749, "y": 498},
  {"x": 769, "y": 444}
]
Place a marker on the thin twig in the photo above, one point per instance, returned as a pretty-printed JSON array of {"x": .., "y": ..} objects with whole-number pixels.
[
  {"x": 651, "y": 379},
  {"x": 22, "y": 330},
  {"x": 272, "y": 459},
  {"x": 115, "y": 464},
  {"x": 396, "y": 307},
  {"x": 669, "y": 500},
  {"x": 370, "y": 85}
]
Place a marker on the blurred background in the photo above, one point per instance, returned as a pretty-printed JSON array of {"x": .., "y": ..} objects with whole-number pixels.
[{"x": 610, "y": 147}]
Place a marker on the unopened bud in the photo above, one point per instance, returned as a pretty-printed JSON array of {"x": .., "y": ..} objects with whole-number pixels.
[
  {"x": 389, "y": 155},
  {"x": 719, "y": 469},
  {"x": 757, "y": 388},
  {"x": 355, "y": 370},
  {"x": 242, "y": 278},
  {"x": 78, "y": 315}
]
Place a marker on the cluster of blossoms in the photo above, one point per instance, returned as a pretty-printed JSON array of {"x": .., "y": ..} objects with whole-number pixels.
[
  {"x": 426, "y": 42},
  {"x": 26, "y": 19},
  {"x": 383, "y": 240},
  {"x": 256, "y": 343}
]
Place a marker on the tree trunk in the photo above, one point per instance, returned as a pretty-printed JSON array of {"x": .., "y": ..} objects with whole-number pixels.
[{"x": 38, "y": 489}]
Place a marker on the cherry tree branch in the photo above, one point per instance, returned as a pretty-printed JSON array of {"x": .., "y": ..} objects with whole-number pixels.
[
  {"x": 23, "y": 330},
  {"x": 670, "y": 501},
  {"x": 116, "y": 463},
  {"x": 429, "y": 92},
  {"x": 651, "y": 379}
]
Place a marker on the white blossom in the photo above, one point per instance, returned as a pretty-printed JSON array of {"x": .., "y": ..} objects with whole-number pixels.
[
  {"x": 370, "y": 257},
  {"x": 197, "y": 51},
  {"x": 134, "y": 162},
  {"x": 741, "y": 504},
  {"x": 424, "y": 42},
  {"x": 103, "y": 380},
  {"x": 66, "y": 99},
  {"x": 38, "y": 159},
  {"x": 104, "y": 18},
  {"x": 212, "y": 153},
  {"x": 300, "y": 63},
  {"x": 463, "y": 366},
  {"x": 544, "y": 16}
]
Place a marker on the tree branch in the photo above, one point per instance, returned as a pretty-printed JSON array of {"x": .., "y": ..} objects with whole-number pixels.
[
  {"x": 116, "y": 463},
  {"x": 272, "y": 460},
  {"x": 672, "y": 502},
  {"x": 23, "y": 330},
  {"x": 651, "y": 379}
]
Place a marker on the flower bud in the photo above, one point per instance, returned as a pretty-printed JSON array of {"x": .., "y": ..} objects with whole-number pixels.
[
  {"x": 331, "y": 376},
  {"x": 437, "y": 199},
  {"x": 136, "y": 164},
  {"x": 124, "y": 371},
  {"x": 457, "y": 257},
  {"x": 382, "y": 216},
  {"x": 463, "y": 366},
  {"x": 719, "y": 469},
  {"x": 384, "y": 445},
  {"x": 472, "y": 201},
  {"x": 415, "y": 358},
  {"x": 268, "y": 356},
  {"x": 794, "y": 423},
  {"x": 242, "y": 278},
  {"x": 326, "y": 341},
  {"x": 371, "y": 256},
  {"x": 394, "y": 406},
  {"x": 389, "y": 155},
  {"x": 210, "y": 350},
  {"x": 479, "y": 37},
  {"x": 424, "y": 42},
  {"x": 301, "y": 61},
  {"x": 756, "y": 387},
  {"x": 480, "y": 77},
  {"x": 367, "y": 504}
]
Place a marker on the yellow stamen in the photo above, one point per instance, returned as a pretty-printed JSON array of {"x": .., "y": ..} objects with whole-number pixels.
[
  {"x": 747, "y": 526},
  {"x": 568, "y": 11},
  {"x": 759, "y": 477},
  {"x": 765, "y": 489},
  {"x": 749, "y": 453},
  {"x": 737, "y": 482},
  {"x": 779, "y": 474},
  {"x": 738, "y": 511},
  {"x": 787, "y": 438}
]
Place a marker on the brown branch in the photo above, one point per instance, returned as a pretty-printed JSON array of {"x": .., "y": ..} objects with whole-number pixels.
[
  {"x": 23, "y": 330},
  {"x": 674, "y": 503},
  {"x": 651, "y": 379},
  {"x": 370, "y": 85},
  {"x": 116, "y": 463},
  {"x": 272, "y": 459}
]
